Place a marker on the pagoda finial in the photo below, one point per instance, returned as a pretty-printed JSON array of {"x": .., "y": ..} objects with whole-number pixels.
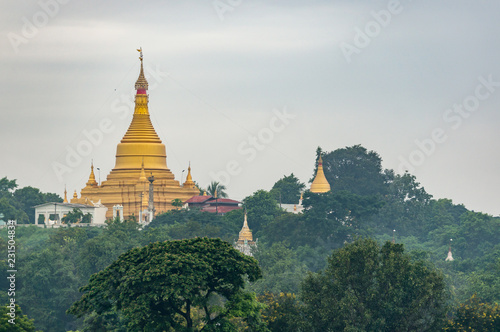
[
  {"x": 141, "y": 85},
  {"x": 450, "y": 256},
  {"x": 140, "y": 52},
  {"x": 189, "y": 179},
  {"x": 75, "y": 195},
  {"x": 65, "y": 195},
  {"x": 92, "y": 182}
]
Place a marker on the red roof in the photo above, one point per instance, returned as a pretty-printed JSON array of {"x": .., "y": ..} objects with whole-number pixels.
[
  {"x": 224, "y": 201},
  {"x": 220, "y": 209},
  {"x": 198, "y": 199}
]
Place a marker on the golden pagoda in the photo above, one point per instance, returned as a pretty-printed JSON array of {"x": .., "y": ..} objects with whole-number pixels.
[
  {"x": 320, "y": 183},
  {"x": 245, "y": 241},
  {"x": 189, "y": 183},
  {"x": 245, "y": 233},
  {"x": 140, "y": 153}
]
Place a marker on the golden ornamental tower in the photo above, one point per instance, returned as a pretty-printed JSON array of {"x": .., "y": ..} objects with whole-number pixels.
[
  {"x": 189, "y": 183},
  {"x": 245, "y": 241},
  {"x": 320, "y": 183},
  {"x": 245, "y": 233},
  {"x": 92, "y": 182},
  {"x": 140, "y": 152}
]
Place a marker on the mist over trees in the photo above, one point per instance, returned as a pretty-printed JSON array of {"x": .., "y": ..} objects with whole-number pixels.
[{"x": 332, "y": 267}]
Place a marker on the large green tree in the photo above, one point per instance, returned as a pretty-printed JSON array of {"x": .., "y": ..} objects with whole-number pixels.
[
  {"x": 161, "y": 286},
  {"x": 28, "y": 197},
  {"x": 287, "y": 189},
  {"x": 355, "y": 169},
  {"x": 262, "y": 208},
  {"x": 366, "y": 287}
]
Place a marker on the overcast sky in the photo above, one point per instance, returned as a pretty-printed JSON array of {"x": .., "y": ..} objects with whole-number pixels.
[{"x": 246, "y": 90}]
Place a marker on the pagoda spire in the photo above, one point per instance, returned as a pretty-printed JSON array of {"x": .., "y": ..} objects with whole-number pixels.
[
  {"x": 140, "y": 142},
  {"x": 92, "y": 182},
  {"x": 450, "y": 256},
  {"x": 189, "y": 180},
  {"x": 245, "y": 233},
  {"x": 65, "y": 195},
  {"x": 320, "y": 183},
  {"x": 141, "y": 85}
]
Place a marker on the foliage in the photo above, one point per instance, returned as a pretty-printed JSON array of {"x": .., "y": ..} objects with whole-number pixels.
[
  {"x": 475, "y": 315},
  {"x": 28, "y": 197},
  {"x": 283, "y": 313},
  {"x": 281, "y": 269},
  {"x": 261, "y": 208},
  {"x": 18, "y": 323},
  {"x": 73, "y": 217},
  {"x": 183, "y": 224},
  {"x": 355, "y": 169},
  {"x": 328, "y": 220},
  {"x": 157, "y": 286},
  {"x": 18, "y": 204},
  {"x": 7, "y": 186},
  {"x": 177, "y": 203},
  {"x": 371, "y": 288},
  {"x": 217, "y": 188},
  {"x": 287, "y": 189}
]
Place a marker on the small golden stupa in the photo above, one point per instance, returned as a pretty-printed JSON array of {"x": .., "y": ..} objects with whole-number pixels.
[
  {"x": 245, "y": 233},
  {"x": 320, "y": 183},
  {"x": 245, "y": 243},
  {"x": 189, "y": 183},
  {"x": 140, "y": 154}
]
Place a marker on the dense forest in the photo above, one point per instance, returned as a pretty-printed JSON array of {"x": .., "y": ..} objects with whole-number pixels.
[{"x": 353, "y": 250}]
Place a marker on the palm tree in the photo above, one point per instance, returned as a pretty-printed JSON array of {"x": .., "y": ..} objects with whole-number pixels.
[{"x": 215, "y": 186}]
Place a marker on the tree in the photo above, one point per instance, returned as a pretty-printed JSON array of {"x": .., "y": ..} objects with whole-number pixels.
[
  {"x": 287, "y": 189},
  {"x": 161, "y": 286},
  {"x": 406, "y": 208},
  {"x": 262, "y": 208},
  {"x": 12, "y": 211},
  {"x": 18, "y": 322},
  {"x": 282, "y": 271},
  {"x": 73, "y": 217},
  {"x": 283, "y": 313},
  {"x": 355, "y": 169},
  {"x": 28, "y": 197},
  {"x": 366, "y": 287},
  {"x": 177, "y": 203},
  {"x": 216, "y": 187},
  {"x": 475, "y": 315}
]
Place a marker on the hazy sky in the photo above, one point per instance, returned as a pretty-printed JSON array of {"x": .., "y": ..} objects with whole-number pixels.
[{"x": 246, "y": 90}]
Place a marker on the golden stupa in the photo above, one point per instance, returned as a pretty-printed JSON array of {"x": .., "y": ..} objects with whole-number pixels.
[
  {"x": 245, "y": 233},
  {"x": 140, "y": 155},
  {"x": 320, "y": 183}
]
